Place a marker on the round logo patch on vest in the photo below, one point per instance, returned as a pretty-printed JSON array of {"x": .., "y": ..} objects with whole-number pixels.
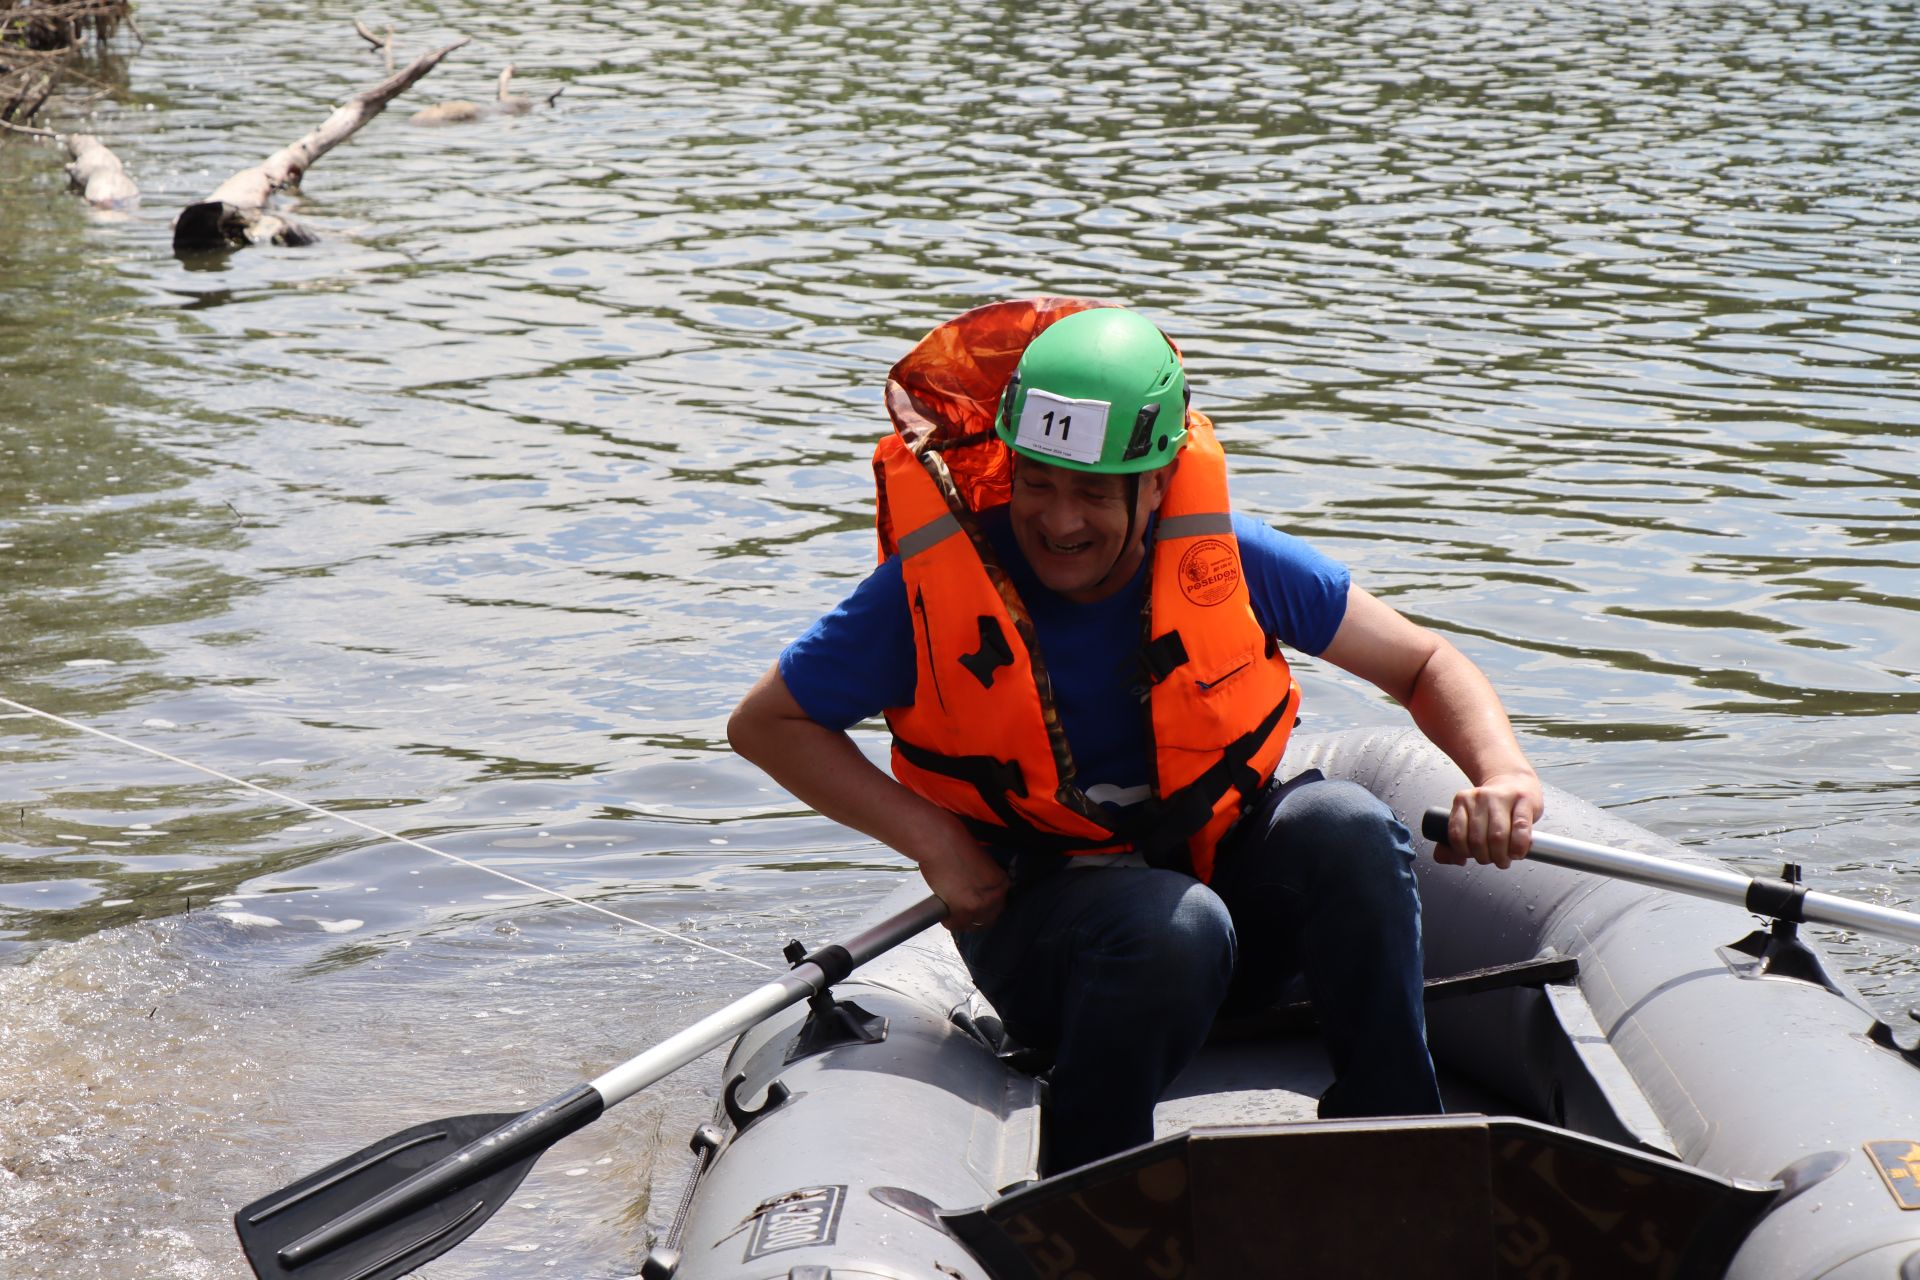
[{"x": 1209, "y": 571}]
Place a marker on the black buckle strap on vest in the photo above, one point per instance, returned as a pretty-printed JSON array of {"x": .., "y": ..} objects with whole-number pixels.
[
  {"x": 994, "y": 653},
  {"x": 1164, "y": 845},
  {"x": 994, "y": 779},
  {"x": 1161, "y": 656},
  {"x": 1157, "y": 830},
  {"x": 1186, "y": 812},
  {"x": 1023, "y": 837}
]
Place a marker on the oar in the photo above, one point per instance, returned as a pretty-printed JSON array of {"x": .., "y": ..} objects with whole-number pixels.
[
  {"x": 388, "y": 1209},
  {"x": 1766, "y": 895}
]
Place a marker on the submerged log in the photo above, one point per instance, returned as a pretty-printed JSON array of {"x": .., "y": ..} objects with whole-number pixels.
[
  {"x": 94, "y": 171},
  {"x": 235, "y": 214},
  {"x": 97, "y": 173},
  {"x": 460, "y": 111}
]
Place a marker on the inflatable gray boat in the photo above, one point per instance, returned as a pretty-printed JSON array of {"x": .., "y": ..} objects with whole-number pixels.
[{"x": 1638, "y": 1084}]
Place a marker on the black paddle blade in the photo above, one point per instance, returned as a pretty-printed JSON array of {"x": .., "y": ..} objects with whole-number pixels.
[{"x": 273, "y": 1222}]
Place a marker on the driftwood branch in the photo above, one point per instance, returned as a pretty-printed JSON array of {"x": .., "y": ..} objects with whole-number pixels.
[
  {"x": 31, "y": 132},
  {"x": 385, "y": 46},
  {"x": 97, "y": 173},
  {"x": 235, "y": 214}
]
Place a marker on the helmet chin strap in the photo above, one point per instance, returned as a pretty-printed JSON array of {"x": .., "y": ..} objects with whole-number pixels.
[{"x": 1126, "y": 541}]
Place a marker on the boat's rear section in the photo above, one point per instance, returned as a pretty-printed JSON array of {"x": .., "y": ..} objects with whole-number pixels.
[
  {"x": 1667, "y": 1101},
  {"x": 1452, "y": 1196}
]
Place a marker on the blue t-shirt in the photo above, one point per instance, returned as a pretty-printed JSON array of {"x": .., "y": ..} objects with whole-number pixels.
[{"x": 858, "y": 660}]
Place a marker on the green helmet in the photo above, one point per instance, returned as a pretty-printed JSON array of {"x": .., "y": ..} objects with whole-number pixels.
[{"x": 1100, "y": 390}]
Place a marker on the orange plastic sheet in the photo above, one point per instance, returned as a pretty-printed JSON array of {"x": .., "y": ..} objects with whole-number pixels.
[{"x": 944, "y": 394}]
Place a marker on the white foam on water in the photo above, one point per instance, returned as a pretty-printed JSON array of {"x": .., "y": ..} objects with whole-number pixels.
[{"x": 247, "y": 919}]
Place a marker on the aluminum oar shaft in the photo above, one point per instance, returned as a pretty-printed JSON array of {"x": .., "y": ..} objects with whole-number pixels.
[
  {"x": 1718, "y": 883},
  {"x": 831, "y": 965}
]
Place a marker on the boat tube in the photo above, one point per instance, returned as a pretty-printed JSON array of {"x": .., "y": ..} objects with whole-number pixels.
[{"x": 1637, "y": 1084}]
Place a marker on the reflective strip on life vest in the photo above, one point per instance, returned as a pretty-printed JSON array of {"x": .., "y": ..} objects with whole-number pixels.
[
  {"x": 929, "y": 535},
  {"x": 1194, "y": 526}
]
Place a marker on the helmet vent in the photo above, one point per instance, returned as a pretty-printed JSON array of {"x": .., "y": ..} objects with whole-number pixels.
[{"x": 1142, "y": 438}]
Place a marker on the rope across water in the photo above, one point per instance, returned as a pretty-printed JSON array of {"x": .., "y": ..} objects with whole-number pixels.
[{"x": 388, "y": 835}]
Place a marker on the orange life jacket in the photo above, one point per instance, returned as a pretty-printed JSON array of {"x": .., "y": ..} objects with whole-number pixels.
[{"x": 982, "y": 738}]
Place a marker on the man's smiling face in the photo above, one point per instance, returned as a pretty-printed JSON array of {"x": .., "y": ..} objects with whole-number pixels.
[{"x": 1073, "y": 526}]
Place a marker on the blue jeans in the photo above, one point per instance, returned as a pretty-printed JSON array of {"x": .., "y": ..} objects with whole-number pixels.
[{"x": 1117, "y": 972}]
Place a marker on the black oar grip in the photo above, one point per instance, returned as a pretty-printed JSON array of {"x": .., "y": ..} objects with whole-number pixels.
[{"x": 1433, "y": 824}]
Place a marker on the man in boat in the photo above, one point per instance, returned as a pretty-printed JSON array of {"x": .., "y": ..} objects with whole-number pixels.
[{"x": 1080, "y": 654}]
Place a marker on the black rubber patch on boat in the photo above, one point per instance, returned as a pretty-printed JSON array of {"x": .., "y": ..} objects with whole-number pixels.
[
  {"x": 808, "y": 1216},
  {"x": 1899, "y": 1166}
]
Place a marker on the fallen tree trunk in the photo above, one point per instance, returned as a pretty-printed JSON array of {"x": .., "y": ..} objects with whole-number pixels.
[
  {"x": 236, "y": 215},
  {"x": 97, "y": 173}
]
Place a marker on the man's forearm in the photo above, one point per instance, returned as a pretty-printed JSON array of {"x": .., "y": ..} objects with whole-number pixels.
[
  {"x": 824, "y": 768},
  {"x": 1456, "y": 707},
  {"x": 827, "y": 770}
]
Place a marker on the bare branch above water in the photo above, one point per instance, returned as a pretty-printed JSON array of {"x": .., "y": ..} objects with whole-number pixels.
[{"x": 236, "y": 215}]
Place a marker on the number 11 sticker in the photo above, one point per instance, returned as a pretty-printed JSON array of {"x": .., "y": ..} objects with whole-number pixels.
[{"x": 1061, "y": 428}]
